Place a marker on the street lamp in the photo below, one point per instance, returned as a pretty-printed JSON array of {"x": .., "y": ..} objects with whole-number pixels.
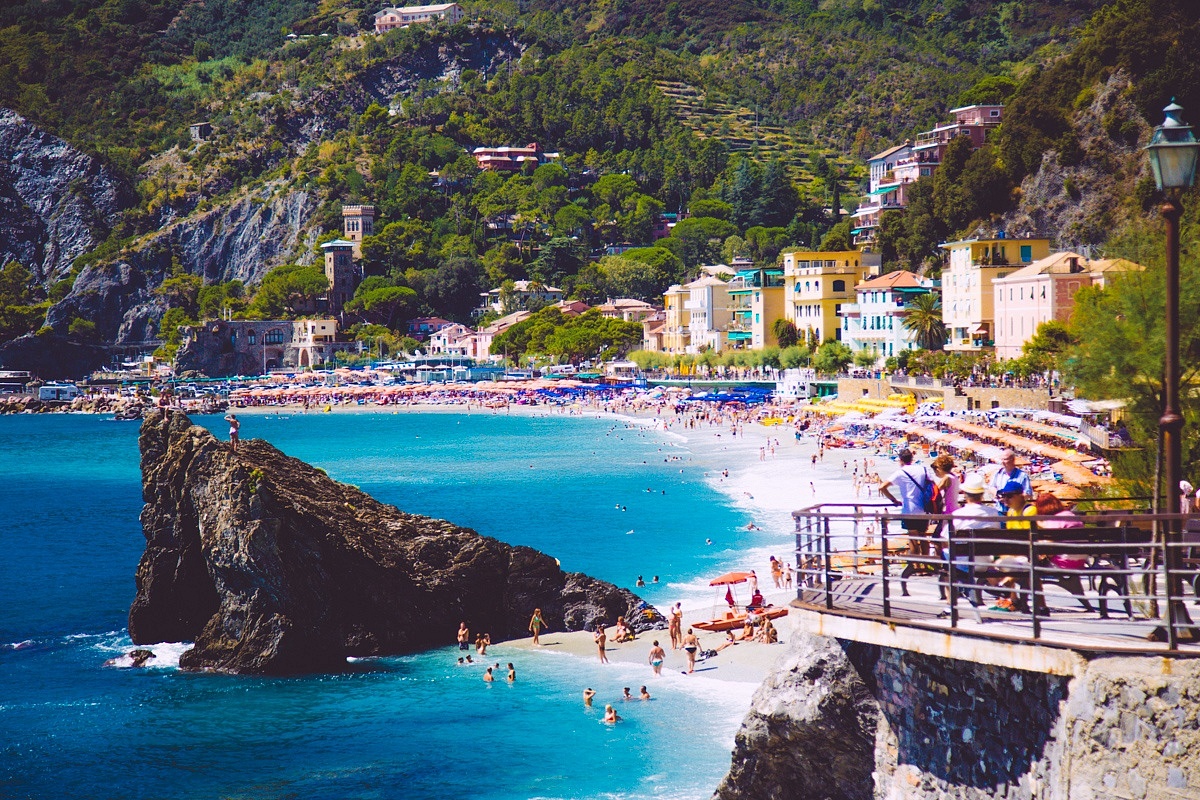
[{"x": 1173, "y": 151}]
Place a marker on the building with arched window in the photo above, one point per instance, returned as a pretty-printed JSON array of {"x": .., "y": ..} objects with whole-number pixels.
[{"x": 876, "y": 322}]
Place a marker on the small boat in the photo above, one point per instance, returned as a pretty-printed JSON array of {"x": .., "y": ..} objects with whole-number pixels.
[{"x": 735, "y": 616}]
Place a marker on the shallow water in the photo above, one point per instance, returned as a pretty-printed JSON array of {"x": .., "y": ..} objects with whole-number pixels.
[{"x": 604, "y": 498}]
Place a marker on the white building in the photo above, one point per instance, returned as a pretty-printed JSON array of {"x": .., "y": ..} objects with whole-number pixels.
[
  {"x": 876, "y": 322},
  {"x": 519, "y": 296},
  {"x": 708, "y": 312},
  {"x": 390, "y": 18}
]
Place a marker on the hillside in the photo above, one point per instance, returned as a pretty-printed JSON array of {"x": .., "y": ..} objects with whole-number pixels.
[{"x": 754, "y": 116}]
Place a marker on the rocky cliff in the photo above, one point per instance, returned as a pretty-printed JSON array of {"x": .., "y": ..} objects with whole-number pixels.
[
  {"x": 844, "y": 721},
  {"x": 271, "y": 567},
  {"x": 56, "y": 203}
]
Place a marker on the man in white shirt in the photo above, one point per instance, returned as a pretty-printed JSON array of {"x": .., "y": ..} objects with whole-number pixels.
[{"x": 909, "y": 481}]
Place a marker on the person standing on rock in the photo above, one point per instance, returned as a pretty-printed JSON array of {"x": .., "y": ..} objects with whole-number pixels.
[{"x": 234, "y": 425}]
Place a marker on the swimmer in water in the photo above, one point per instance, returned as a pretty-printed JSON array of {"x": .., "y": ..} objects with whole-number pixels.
[
  {"x": 588, "y": 694},
  {"x": 610, "y": 714}
]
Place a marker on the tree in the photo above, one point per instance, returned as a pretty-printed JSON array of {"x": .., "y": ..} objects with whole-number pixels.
[
  {"x": 838, "y": 238},
  {"x": 625, "y": 277},
  {"x": 1049, "y": 342},
  {"x": 182, "y": 291},
  {"x": 387, "y": 305},
  {"x": 832, "y": 357},
  {"x": 698, "y": 240},
  {"x": 289, "y": 290},
  {"x": 455, "y": 287},
  {"x": 924, "y": 319},
  {"x": 785, "y": 331},
  {"x": 865, "y": 359}
]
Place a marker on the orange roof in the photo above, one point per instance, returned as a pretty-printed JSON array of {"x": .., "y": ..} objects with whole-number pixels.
[{"x": 900, "y": 279}]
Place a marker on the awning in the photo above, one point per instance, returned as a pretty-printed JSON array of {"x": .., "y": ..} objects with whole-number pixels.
[
  {"x": 737, "y": 336},
  {"x": 880, "y": 191},
  {"x": 978, "y": 329}
]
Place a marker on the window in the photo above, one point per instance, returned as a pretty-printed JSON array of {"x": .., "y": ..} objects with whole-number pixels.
[
  {"x": 252, "y": 337},
  {"x": 1026, "y": 253},
  {"x": 839, "y": 286}
]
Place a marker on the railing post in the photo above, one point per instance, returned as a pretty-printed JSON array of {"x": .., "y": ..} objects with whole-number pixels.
[
  {"x": 883, "y": 565},
  {"x": 950, "y": 589},
  {"x": 1033, "y": 586},
  {"x": 828, "y": 565},
  {"x": 1168, "y": 574}
]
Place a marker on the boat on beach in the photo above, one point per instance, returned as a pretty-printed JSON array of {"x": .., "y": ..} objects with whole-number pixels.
[{"x": 735, "y": 616}]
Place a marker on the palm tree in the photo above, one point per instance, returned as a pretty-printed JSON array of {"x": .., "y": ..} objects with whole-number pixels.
[{"x": 924, "y": 318}]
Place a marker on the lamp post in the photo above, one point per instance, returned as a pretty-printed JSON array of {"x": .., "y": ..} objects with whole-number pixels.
[{"x": 1172, "y": 151}]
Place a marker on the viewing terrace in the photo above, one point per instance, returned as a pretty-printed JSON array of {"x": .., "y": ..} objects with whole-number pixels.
[{"x": 1116, "y": 583}]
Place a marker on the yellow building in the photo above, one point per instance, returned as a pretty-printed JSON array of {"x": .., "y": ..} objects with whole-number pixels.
[
  {"x": 756, "y": 300},
  {"x": 968, "y": 297},
  {"x": 817, "y": 283},
  {"x": 676, "y": 335}
]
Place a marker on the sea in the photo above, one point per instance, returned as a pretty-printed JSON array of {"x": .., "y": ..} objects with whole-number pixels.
[{"x": 608, "y": 496}]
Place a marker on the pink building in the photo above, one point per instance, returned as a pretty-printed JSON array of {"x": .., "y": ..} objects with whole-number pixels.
[{"x": 1043, "y": 291}]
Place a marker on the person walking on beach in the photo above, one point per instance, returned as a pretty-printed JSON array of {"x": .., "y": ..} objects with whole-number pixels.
[
  {"x": 464, "y": 636},
  {"x": 234, "y": 425},
  {"x": 657, "y": 655},
  {"x": 690, "y": 645},
  {"x": 675, "y": 626},
  {"x": 601, "y": 638},
  {"x": 536, "y": 623}
]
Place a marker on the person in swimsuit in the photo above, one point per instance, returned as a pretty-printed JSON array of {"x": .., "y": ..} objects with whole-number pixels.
[
  {"x": 464, "y": 636},
  {"x": 657, "y": 654},
  {"x": 676, "y": 626},
  {"x": 610, "y": 714},
  {"x": 234, "y": 425},
  {"x": 626, "y": 695},
  {"x": 644, "y": 695},
  {"x": 588, "y": 694},
  {"x": 487, "y": 675},
  {"x": 601, "y": 637},
  {"x": 690, "y": 645},
  {"x": 536, "y": 624},
  {"x": 512, "y": 673}
]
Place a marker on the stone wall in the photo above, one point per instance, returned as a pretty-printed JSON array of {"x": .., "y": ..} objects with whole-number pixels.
[{"x": 1124, "y": 728}]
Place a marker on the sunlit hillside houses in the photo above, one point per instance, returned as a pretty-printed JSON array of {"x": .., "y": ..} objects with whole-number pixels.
[
  {"x": 392, "y": 18},
  {"x": 893, "y": 171}
]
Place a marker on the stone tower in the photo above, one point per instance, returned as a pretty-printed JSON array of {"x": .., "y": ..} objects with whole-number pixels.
[
  {"x": 357, "y": 222},
  {"x": 341, "y": 271}
]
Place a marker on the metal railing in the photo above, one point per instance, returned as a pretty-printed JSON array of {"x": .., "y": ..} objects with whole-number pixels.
[{"x": 859, "y": 560}]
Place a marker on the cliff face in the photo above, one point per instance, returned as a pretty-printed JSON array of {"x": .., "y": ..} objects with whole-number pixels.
[
  {"x": 242, "y": 240},
  {"x": 839, "y": 720},
  {"x": 810, "y": 731},
  {"x": 271, "y": 567},
  {"x": 55, "y": 202}
]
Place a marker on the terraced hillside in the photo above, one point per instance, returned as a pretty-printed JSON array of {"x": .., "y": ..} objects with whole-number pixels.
[{"x": 742, "y": 132}]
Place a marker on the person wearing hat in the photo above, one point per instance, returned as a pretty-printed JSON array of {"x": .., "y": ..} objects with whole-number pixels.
[
  {"x": 1185, "y": 497},
  {"x": 1008, "y": 472},
  {"x": 973, "y": 514},
  {"x": 1013, "y": 495}
]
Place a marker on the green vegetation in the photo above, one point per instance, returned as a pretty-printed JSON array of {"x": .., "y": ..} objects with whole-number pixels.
[{"x": 568, "y": 339}]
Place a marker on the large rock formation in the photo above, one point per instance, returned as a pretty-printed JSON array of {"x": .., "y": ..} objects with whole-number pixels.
[
  {"x": 56, "y": 203},
  {"x": 862, "y": 722},
  {"x": 271, "y": 567},
  {"x": 810, "y": 731}
]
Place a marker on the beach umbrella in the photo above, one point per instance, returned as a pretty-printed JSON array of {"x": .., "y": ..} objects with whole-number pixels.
[{"x": 730, "y": 578}]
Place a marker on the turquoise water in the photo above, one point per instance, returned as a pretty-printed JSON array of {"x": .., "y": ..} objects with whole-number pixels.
[{"x": 403, "y": 727}]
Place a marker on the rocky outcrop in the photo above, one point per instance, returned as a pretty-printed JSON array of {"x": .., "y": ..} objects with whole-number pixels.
[
  {"x": 844, "y": 720},
  {"x": 271, "y": 567},
  {"x": 1078, "y": 197},
  {"x": 56, "y": 203},
  {"x": 51, "y": 357},
  {"x": 240, "y": 241},
  {"x": 810, "y": 731}
]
